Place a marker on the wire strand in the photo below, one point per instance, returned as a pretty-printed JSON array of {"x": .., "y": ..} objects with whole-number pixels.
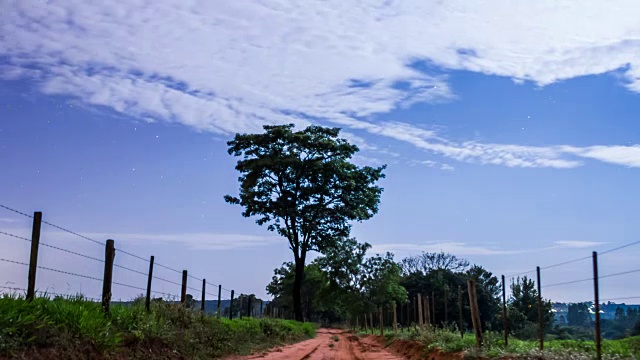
[
  {"x": 620, "y": 273},
  {"x": 567, "y": 283},
  {"x": 565, "y": 263},
  {"x": 168, "y": 268},
  {"x": 74, "y": 233},
  {"x": 15, "y": 236},
  {"x": 69, "y": 273},
  {"x": 72, "y": 252},
  {"x": 167, "y": 281},
  {"x": 129, "y": 286},
  {"x": 129, "y": 269},
  {"x": 132, "y": 255},
  {"x": 620, "y": 247},
  {"x": 16, "y": 211}
]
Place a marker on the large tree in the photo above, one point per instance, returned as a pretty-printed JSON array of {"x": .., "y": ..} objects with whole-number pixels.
[{"x": 303, "y": 186}]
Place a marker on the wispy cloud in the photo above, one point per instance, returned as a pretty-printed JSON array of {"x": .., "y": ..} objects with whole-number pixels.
[
  {"x": 236, "y": 66},
  {"x": 466, "y": 249}
]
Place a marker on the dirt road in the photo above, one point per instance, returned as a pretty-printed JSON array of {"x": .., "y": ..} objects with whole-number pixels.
[{"x": 325, "y": 347}]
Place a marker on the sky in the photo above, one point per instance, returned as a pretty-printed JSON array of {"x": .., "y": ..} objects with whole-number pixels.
[{"x": 509, "y": 129}]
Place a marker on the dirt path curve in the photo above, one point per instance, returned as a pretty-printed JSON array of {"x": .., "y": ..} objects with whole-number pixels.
[{"x": 325, "y": 347}]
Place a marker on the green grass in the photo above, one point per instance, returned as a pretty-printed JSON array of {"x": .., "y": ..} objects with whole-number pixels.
[
  {"x": 335, "y": 338},
  {"x": 70, "y": 324},
  {"x": 449, "y": 340}
]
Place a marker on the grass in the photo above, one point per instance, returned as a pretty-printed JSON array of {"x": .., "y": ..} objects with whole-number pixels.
[
  {"x": 74, "y": 326},
  {"x": 450, "y": 341},
  {"x": 335, "y": 338}
]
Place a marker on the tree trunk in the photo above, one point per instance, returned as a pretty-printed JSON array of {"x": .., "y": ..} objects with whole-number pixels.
[{"x": 297, "y": 288}]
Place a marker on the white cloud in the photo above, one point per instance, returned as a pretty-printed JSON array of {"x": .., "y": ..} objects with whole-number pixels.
[
  {"x": 229, "y": 67},
  {"x": 457, "y": 248},
  {"x": 577, "y": 244},
  {"x": 198, "y": 241}
]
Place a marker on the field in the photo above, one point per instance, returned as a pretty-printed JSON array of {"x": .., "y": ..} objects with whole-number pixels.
[{"x": 75, "y": 328}]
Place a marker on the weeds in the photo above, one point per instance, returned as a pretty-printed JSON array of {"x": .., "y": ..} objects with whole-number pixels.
[
  {"x": 66, "y": 323},
  {"x": 335, "y": 338}
]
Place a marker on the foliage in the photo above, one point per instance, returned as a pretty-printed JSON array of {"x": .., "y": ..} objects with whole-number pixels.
[
  {"x": 427, "y": 262},
  {"x": 303, "y": 186},
  {"x": 70, "y": 324},
  {"x": 523, "y": 309},
  {"x": 382, "y": 281}
]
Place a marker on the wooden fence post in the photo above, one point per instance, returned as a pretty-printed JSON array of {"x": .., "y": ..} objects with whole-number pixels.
[
  {"x": 596, "y": 296},
  {"x": 204, "y": 287},
  {"x": 433, "y": 307},
  {"x": 241, "y": 305},
  {"x": 219, "y": 298},
  {"x": 540, "y": 319},
  {"x": 147, "y": 301},
  {"x": 109, "y": 256},
  {"x": 427, "y": 312},
  {"x": 420, "y": 318},
  {"x": 371, "y": 320},
  {"x": 33, "y": 258},
  {"x": 446, "y": 305},
  {"x": 395, "y": 319},
  {"x": 460, "y": 315},
  {"x": 183, "y": 292},
  {"x": 381, "y": 321},
  {"x": 261, "y": 312},
  {"x": 249, "y": 307},
  {"x": 231, "y": 307},
  {"x": 366, "y": 330},
  {"x": 475, "y": 313},
  {"x": 504, "y": 313}
]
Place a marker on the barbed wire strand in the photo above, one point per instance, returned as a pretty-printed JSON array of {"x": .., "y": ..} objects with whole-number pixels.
[
  {"x": 565, "y": 263},
  {"x": 52, "y": 269},
  {"x": 129, "y": 269},
  {"x": 567, "y": 282},
  {"x": 622, "y": 298},
  {"x": 193, "y": 277},
  {"x": 129, "y": 286},
  {"x": 168, "y": 268},
  {"x": 620, "y": 273},
  {"x": 167, "y": 281},
  {"x": 15, "y": 236},
  {"x": 73, "y": 233},
  {"x": 620, "y": 247},
  {"x": 16, "y": 211},
  {"x": 132, "y": 255}
]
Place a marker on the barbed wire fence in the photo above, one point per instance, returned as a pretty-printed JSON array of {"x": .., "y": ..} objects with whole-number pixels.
[{"x": 159, "y": 282}]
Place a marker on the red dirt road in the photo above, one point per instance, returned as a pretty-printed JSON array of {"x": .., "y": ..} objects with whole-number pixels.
[{"x": 348, "y": 347}]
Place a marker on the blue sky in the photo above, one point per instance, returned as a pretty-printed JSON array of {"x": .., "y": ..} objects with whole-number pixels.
[{"x": 501, "y": 148}]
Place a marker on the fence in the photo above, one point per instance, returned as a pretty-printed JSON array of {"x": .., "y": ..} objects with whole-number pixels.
[
  {"x": 434, "y": 307},
  {"x": 119, "y": 269}
]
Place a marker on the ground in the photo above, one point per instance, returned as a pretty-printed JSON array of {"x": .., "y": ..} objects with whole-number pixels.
[{"x": 325, "y": 347}]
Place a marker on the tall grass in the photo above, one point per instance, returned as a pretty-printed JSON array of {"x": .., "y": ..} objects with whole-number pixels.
[{"x": 71, "y": 323}]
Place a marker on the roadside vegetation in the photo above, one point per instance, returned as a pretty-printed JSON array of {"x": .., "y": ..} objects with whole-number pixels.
[
  {"x": 76, "y": 328},
  {"x": 450, "y": 341}
]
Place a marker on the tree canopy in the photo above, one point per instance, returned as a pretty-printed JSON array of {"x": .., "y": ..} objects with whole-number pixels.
[{"x": 302, "y": 185}]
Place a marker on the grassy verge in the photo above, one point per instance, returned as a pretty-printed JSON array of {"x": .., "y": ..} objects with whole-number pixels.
[
  {"x": 77, "y": 328},
  {"x": 451, "y": 342}
]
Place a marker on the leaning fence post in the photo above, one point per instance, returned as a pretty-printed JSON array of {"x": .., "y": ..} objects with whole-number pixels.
[
  {"x": 504, "y": 313},
  {"x": 147, "y": 301},
  {"x": 231, "y": 307},
  {"x": 204, "y": 286},
  {"x": 183, "y": 292},
  {"x": 219, "y": 298},
  {"x": 596, "y": 295},
  {"x": 33, "y": 258},
  {"x": 540, "y": 319},
  {"x": 475, "y": 314},
  {"x": 109, "y": 255},
  {"x": 461, "y": 321}
]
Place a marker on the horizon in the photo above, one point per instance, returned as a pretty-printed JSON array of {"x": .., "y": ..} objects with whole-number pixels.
[{"x": 502, "y": 149}]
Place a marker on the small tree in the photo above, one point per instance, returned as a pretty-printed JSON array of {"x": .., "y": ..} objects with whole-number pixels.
[{"x": 303, "y": 186}]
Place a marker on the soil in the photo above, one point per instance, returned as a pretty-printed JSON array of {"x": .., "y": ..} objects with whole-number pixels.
[{"x": 325, "y": 347}]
